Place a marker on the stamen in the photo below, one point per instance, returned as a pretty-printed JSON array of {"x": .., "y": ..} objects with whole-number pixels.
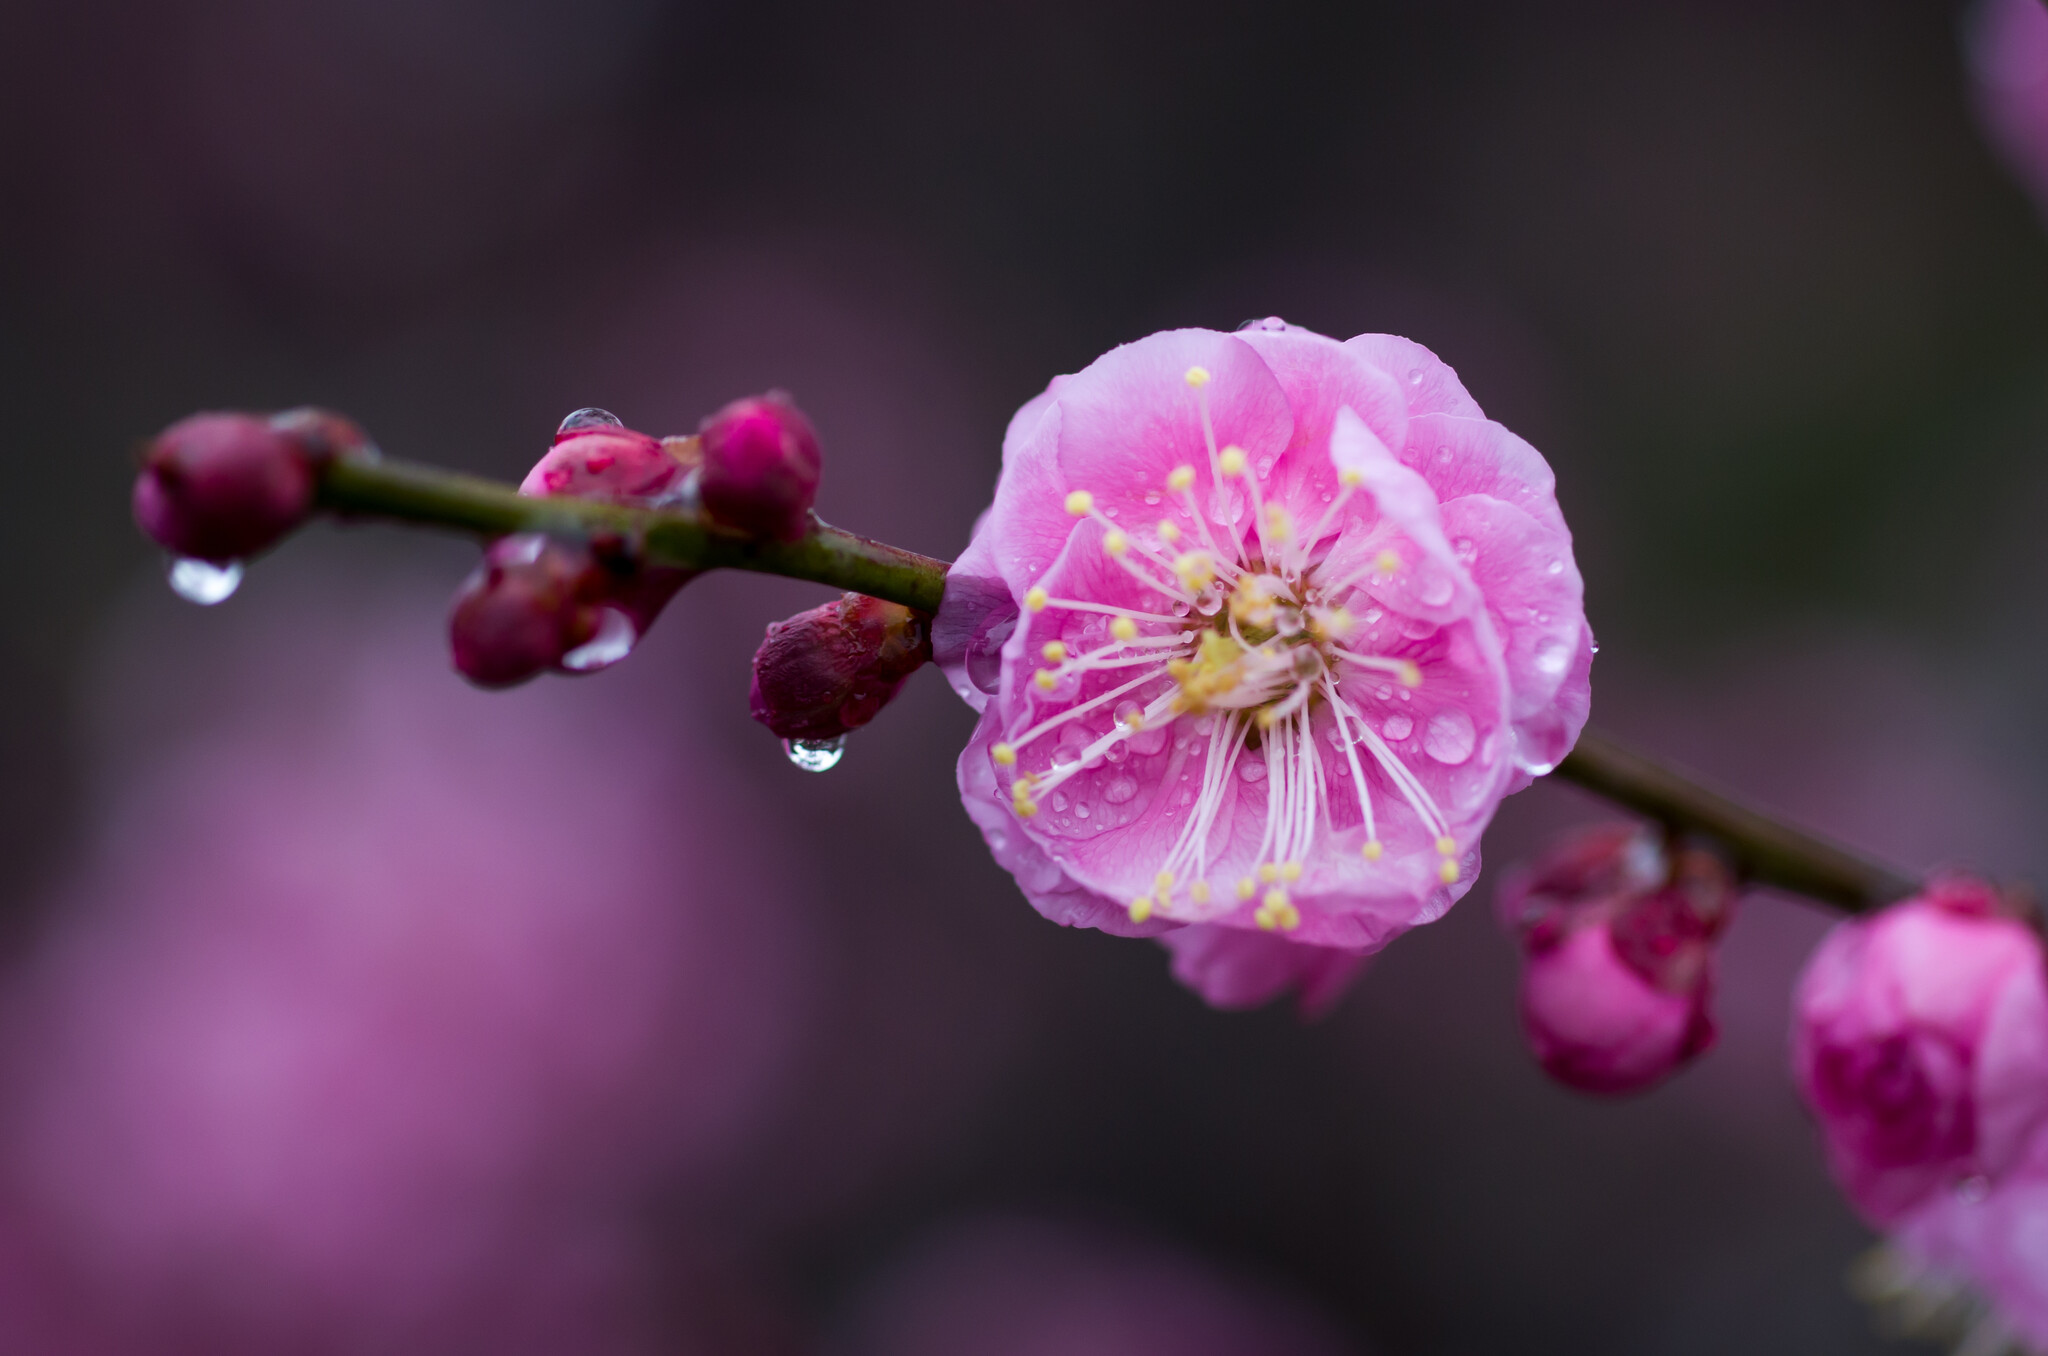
[
  {"x": 1405, "y": 670},
  {"x": 1054, "y": 651},
  {"x": 1079, "y": 502}
]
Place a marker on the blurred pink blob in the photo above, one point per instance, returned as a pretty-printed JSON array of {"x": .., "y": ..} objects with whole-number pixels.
[
  {"x": 1232, "y": 968},
  {"x": 1920, "y": 1042},
  {"x": 1026, "y": 1287},
  {"x": 1993, "y": 1242},
  {"x": 2007, "y": 45},
  {"x": 1618, "y": 940},
  {"x": 385, "y": 1003}
]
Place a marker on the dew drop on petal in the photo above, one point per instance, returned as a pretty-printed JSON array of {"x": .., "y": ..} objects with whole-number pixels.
[
  {"x": 589, "y": 417},
  {"x": 1449, "y": 737},
  {"x": 1466, "y": 551},
  {"x": 1081, "y": 810},
  {"x": 1119, "y": 790},
  {"x": 816, "y": 755},
  {"x": 1116, "y": 753},
  {"x": 1553, "y": 656},
  {"x": 615, "y": 638},
  {"x": 1415, "y": 376},
  {"x": 203, "y": 582},
  {"x": 1554, "y": 567},
  {"x": 1397, "y": 726},
  {"x": 1251, "y": 769},
  {"x": 1443, "y": 455},
  {"x": 1436, "y": 590},
  {"x": 1059, "y": 800}
]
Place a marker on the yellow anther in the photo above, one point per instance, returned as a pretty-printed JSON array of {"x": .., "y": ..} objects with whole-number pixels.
[
  {"x": 1163, "y": 883},
  {"x": 1199, "y": 892},
  {"x": 1046, "y": 682},
  {"x": 1263, "y": 916},
  {"x": 1180, "y": 479},
  {"x": 1351, "y": 477},
  {"x": 1195, "y": 569},
  {"x": 1231, "y": 461},
  {"x": 1269, "y": 872},
  {"x": 1141, "y": 908},
  {"x": 1036, "y": 598},
  {"x": 1115, "y": 542},
  {"x": 1448, "y": 872},
  {"x": 1136, "y": 720},
  {"x": 1288, "y": 917},
  {"x": 1168, "y": 533},
  {"x": 1388, "y": 563},
  {"x": 1025, "y": 808},
  {"x": 1447, "y": 846},
  {"x": 1290, "y": 871},
  {"x": 1197, "y": 376},
  {"x": 1004, "y": 755},
  {"x": 1247, "y": 887},
  {"x": 1279, "y": 526},
  {"x": 1079, "y": 502},
  {"x": 1124, "y": 629},
  {"x": 1054, "y": 651},
  {"x": 1275, "y": 901},
  {"x": 1411, "y": 676},
  {"x": 1373, "y": 850}
]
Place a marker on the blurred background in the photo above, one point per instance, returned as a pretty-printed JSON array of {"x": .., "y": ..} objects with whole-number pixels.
[{"x": 347, "y": 1009}]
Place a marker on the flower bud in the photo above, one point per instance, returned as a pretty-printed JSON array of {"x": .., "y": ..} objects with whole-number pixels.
[
  {"x": 537, "y": 603},
  {"x": 1618, "y": 942},
  {"x": 761, "y": 466},
  {"x": 831, "y": 669},
  {"x": 223, "y": 486},
  {"x": 606, "y": 463},
  {"x": 1920, "y": 1041}
]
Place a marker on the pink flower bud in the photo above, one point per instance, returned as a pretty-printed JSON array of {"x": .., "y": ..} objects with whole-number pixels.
[
  {"x": 223, "y": 486},
  {"x": 527, "y": 606},
  {"x": 606, "y": 463},
  {"x": 761, "y": 466},
  {"x": 831, "y": 669},
  {"x": 1618, "y": 939},
  {"x": 1920, "y": 1041}
]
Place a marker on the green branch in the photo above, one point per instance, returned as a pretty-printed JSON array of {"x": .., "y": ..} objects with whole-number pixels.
[{"x": 1765, "y": 849}]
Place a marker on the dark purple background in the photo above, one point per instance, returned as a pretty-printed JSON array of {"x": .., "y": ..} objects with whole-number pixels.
[{"x": 1746, "y": 272}]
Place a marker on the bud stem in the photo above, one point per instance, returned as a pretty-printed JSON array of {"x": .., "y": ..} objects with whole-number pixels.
[{"x": 1765, "y": 849}]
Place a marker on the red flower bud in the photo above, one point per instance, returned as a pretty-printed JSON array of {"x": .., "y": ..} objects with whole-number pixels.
[
  {"x": 831, "y": 669},
  {"x": 223, "y": 486},
  {"x": 761, "y": 466},
  {"x": 537, "y": 603},
  {"x": 606, "y": 463}
]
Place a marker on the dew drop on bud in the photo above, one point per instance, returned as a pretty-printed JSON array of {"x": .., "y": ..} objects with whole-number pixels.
[
  {"x": 614, "y": 640},
  {"x": 816, "y": 755},
  {"x": 203, "y": 582},
  {"x": 587, "y": 418}
]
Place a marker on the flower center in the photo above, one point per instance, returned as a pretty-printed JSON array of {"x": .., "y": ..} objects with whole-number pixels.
[{"x": 1254, "y": 642}]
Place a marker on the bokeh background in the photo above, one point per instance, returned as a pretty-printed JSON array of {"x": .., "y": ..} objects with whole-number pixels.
[{"x": 345, "y": 1009}]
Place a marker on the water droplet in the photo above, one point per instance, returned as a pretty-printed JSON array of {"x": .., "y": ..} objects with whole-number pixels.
[
  {"x": 1327, "y": 496},
  {"x": 816, "y": 755},
  {"x": 1126, "y": 710},
  {"x": 585, "y": 419},
  {"x": 1116, "y": 753},
  {"x": 1417, "y": 628},
  {"x": 1148, "y": 741},
  {"x": 1081, "y": 810},
  {"x": 1443, "y": 456},
  {"x": 1436, "y": 590},
  {"x": 1120, "y": 790},
  {"x": 1059, "y": 800},
  {"x": 1251, "y": 769},
  {"x": 1265, "y": 467},
  {"x": 1449, "y": 737},
  {"x": 615, "y": 638},
  {"x": 1973, "y": 1189},
  {"x": 1151, "y": 496},
  {"x": 1415, "y": 376},
  {"x": 1554, "y": 567},
  {"x": 1397, "y": 727},
  {"x": 1553, "y": 656},
  {"x": 203, "y": 582},
  {"x": 1110, "y": 512},
  {"x": 1594, "y": 648},
  {"x": 1467, "y": 552},
  {"x": 1271, "y": 322}
]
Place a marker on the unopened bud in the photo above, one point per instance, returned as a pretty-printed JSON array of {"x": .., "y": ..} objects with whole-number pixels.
[
  {"x": 760, "y": 471},
  {"x": 538, "y": 603},
  {"x": 607, "y": 463},
  {"x": 831, "y": 669},
  {"x": 223, "y": 486},
  {"x": 1618, "y": 941}
]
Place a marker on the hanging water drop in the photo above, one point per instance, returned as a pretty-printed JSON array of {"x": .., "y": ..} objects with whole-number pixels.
[
  {"x": 816, "y": 755},
  {"x": 203, "y": 582},
  {"x": 615, "y": 638},
  {"x": 585, "y": 419}
]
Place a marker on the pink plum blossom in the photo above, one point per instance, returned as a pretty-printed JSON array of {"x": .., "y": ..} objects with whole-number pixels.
[
  {"x": 2007, "y": 43},
  {"x": 1618, "y": 937},
  {"x": 1261, "y": 627},
  {"x": 1040, "y": 1287},
  {"x": 1920, "y": 1043}
]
